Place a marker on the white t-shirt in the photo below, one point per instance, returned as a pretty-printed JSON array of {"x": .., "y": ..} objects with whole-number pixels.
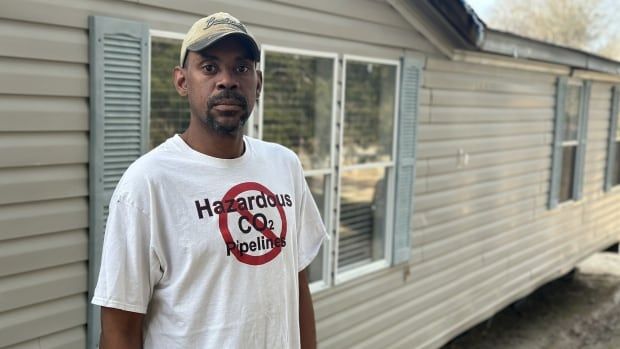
[{"x": 209, "y": 249}]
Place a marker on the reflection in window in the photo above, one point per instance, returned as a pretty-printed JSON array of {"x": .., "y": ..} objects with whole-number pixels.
[
  {"x": 362, "y": 217},
  {"x": 369, "y": 112},
  {"x": 568, "y": 166},
  {"x": 570, "y": 141},
  {"x": 572, "y": 104},
  {"x": 169, "y": 111},
  {"x": 297, "y": 105},
  {"x": 297, "y": 112}
]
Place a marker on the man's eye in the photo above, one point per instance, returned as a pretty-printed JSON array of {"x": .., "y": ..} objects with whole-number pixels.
[
  {"x": 209, "y": 68},
  {"x": 242, "y": 68}
]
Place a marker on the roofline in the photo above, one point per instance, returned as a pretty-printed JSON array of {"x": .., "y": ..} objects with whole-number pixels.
[{"x": 470, "y": 27}]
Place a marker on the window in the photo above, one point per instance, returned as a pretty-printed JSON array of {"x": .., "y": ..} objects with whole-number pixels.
[
  {"x": 169, "y": 111},
  {"x": 367, "y": 163},
  {"x": 570, "y": 141},
  {"x": 350, "y": 169},
  {"x": 612, "y": 177},
  {"x": 298, "y": 112}
]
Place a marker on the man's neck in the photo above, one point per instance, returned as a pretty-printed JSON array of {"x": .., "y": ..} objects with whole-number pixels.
[{"x": 214, "y": 144}]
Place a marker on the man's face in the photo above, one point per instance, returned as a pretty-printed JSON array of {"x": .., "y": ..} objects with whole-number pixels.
[{"x": 222, "y": 84}]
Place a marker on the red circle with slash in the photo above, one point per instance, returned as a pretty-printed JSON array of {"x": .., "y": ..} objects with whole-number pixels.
[{"x": 268, "y": 233}]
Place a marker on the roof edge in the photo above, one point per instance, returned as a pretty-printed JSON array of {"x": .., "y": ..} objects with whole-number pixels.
[{"x": 467, "y": 23}]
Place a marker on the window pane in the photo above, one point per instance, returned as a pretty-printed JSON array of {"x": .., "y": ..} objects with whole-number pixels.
[
  {"x": 169, "y": 111},
  {"x": 362, "y": 217},
  {"x": 568, "y": 172},
  {"x": 317, "y": 187},
  {"x": 616, "y": 172},
  {"x": 572, "y": 104},
  {"x": 297, "y": 109},
  {"x": 369, "y": 112}
]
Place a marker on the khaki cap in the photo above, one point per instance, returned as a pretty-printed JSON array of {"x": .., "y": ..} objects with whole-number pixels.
[{"x": 208, "y": 30}]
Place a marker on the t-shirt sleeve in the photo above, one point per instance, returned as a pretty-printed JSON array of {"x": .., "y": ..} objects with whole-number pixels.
[
  {"x": 311, "y": 229},
  {"x": 130, "y": 267}
]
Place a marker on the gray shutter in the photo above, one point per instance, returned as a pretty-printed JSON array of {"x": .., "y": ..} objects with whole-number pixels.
[
  {"x": 611, "y": 146},
  {"x": 119, "y": 103},
  {"x": 583, "y": 140},
  {"x": 411, "y": 77},
  {"x": 556, "y": 158}
]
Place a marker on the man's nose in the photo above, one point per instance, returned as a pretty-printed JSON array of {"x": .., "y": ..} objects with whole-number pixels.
[{"x": 227, "y": 81}]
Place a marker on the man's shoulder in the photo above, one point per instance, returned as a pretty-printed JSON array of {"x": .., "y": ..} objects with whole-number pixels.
[
  {"x": 144, "y": 172},
  {"x": 272, "y": 149}
]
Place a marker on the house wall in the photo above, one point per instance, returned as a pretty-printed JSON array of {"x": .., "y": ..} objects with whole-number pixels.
[
  {"x": 43, "y": 181},
  {"x": 44, "y": 133},
  {"x": 482, "y": 235}
]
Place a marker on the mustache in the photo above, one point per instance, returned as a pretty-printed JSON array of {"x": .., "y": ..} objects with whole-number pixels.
[{"x": 227, "y": 95}]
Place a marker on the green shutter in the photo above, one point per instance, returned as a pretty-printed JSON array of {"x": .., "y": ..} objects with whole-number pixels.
[
  {"x": 411, "y": 75},
  {"x": 119, "y": 102},
  {"x": 611, "y": 146},
  {"x": 583, "y": 140},
  {"x": 556, "y": 158}
]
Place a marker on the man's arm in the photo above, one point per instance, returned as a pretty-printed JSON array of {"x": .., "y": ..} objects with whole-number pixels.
[
  {"x": 306, "y": 313},
  {"x": 120, "y": 329}
]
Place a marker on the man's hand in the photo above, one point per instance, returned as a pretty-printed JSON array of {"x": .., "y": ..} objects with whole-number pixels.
[
  {"x": 120, "y": 329},
  {"x": 306, "y": 313}
]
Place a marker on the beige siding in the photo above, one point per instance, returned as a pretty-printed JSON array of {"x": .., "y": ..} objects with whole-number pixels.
[
  {"x": 44, "y": 183},
  {"x": 482, "y": 234}
]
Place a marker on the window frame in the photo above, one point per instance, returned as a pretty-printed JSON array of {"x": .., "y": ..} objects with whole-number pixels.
[
  {"x": 613, "y": 139},
  {"x": 390, "y": 173},
  {"x": 559, "y": 144},
  {"x": 256, "y": 130}
]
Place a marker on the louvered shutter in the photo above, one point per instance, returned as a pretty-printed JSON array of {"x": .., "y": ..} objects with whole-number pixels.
[
  {"x": 411, "y": 75},
  {"x": 583, "y": 140},
  {"x": 611, "y": 146},
  {"x": 556, "y": 160},
  {"x": 119, "y": 103}
]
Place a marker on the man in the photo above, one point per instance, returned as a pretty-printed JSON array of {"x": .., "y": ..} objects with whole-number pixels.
[{"x": 209, "y": 234}]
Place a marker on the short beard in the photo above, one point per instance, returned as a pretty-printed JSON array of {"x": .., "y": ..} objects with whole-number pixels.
[{"x": 226, "y": 129}]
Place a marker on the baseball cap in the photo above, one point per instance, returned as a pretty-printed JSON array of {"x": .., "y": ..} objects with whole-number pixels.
[{"x": 209, "y": 30}]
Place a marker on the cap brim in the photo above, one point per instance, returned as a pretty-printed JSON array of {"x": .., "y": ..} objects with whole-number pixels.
[{"x": 206, "y": 42}]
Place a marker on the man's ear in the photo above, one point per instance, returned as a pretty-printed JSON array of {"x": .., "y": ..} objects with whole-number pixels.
[
  {"x": 180, "y": 81},
  {"x": 259, "y": 84}
]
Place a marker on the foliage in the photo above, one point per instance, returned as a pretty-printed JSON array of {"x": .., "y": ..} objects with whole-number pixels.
[
  {"x": 297, "y": 109},
  {"x": 591, "y": 25},
  {"x": 169, "y": 111}
]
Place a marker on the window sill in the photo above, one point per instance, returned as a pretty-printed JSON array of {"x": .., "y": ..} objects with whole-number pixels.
[
  {"x": 318, "y": 286},
  {"x": 360, "y": 271}
]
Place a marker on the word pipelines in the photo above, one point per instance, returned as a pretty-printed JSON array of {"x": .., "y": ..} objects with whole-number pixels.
[
  {"x": 242, "y": 203},
  {"x": 260, "y": 244}
]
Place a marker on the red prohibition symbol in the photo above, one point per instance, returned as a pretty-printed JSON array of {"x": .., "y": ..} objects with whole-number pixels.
[{"x": 268, "y": 233}]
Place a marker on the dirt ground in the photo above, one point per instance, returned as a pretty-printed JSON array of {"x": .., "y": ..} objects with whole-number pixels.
[{"x": 581, "y": 310}]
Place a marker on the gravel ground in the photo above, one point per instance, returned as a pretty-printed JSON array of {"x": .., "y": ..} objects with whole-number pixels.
[{"x": 581, "y": 310}]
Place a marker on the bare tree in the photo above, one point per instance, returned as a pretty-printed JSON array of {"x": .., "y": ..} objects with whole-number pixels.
[{"x": 589, "y": 25}]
